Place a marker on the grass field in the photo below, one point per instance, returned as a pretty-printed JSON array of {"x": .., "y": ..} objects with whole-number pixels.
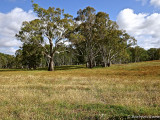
[{"x": 75, "y": 92}]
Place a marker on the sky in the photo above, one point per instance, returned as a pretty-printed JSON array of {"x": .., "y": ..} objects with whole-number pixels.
[{"x": 140, "y": 18}]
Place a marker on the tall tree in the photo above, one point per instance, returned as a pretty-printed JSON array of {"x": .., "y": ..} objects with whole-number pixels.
[
  {"x": 112, "y": 41},
  {"x": 18, "y": 58},
  {"x": 138, "y": 54},
  {"x": 86, "y": 18},
  {"x": 52, "y": 26}
]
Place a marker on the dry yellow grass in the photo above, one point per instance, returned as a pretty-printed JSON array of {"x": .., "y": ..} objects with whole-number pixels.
[{"x": 99, "y": 93}]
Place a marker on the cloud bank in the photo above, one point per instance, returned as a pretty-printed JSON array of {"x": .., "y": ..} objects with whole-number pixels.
[
  {"x": 144, "y": 27},
  {"x": 155, "y": 3},
  {"x": 10, "y": 24}
]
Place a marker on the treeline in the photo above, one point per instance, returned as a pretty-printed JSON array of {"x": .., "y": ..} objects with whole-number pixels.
[
  {"x": 56, "y": 38},
  {"x": 7, "y": 61},
  {"x": 138, "y": 54},
  {"x": 27, "y": 59}
]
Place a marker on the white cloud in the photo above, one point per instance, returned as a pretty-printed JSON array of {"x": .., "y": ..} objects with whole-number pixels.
[
  {"x": 143, "y": 1},
  {"x": 144, "y": 27},
  {"x": 155, "y": 3},
  {"x": 10, "y": 24},
  {"x": 8, "y": 50}
]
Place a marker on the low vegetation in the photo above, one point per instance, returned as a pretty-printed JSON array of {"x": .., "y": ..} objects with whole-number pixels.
[{"x": 75, "y": 92}]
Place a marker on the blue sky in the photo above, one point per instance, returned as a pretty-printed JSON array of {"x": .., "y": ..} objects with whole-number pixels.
[
  {"x": 112, "y": 7},
  {"x": 138, "y": 17}
]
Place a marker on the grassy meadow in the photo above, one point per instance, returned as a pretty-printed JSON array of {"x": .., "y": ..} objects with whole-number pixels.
[{"x": 75, "y": 92}]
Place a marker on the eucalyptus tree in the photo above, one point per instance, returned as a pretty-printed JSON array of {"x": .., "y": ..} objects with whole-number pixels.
[
  {"x": 7, "y": 61},
  {"x": 112, "y": 41},
  {"x": 86, "y": 33},
  {"x": 117, "y": 42},
  {"x": 138, "y": 54},
  {"x": 51, "y": 27},
  {"x": 154, "y": 53},
  {"x": 18, "y": 58}
]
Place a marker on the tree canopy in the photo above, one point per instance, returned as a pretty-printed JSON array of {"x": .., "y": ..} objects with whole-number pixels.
[{"x": 51, "y": 27}]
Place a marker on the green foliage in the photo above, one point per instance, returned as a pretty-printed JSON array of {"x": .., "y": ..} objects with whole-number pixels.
[
  {"x": 31, "y": 56},
  {"x": 99, "y": 38},
  {"x": 95, "y": 40},
  {"x": 53, "y": 24},
  {"x": 65, "y": 56},
  {"x": 7, "y": 61},
  {"x": 154, "y": 54},
  {"x": 138, "y": 54},
  {"x": 18, "y": 58}
]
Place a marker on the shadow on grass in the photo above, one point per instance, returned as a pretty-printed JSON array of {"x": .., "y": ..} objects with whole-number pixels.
[
  {"x": 67, "y": 67},
  {"x": 10, "y": 70}
]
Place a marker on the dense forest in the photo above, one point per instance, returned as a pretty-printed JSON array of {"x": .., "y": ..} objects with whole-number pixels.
[{"x": 91, "y": 38}]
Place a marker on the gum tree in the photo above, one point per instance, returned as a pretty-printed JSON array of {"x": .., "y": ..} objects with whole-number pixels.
[
  {"x": 51, "y": 27},
  {"x": 86, "y": 33},
  {"x": 111, "y": 40}
]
